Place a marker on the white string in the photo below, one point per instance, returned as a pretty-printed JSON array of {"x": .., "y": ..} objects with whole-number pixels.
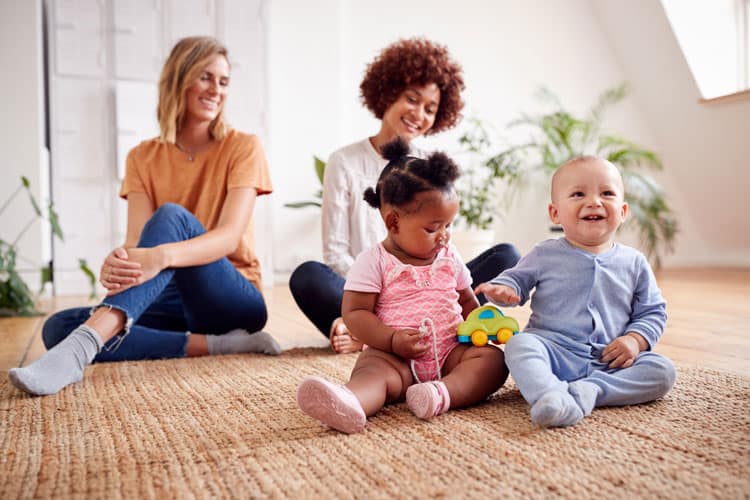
[{"x": 424, "y": 327}]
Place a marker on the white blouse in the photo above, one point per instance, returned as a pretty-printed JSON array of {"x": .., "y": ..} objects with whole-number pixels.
[{"x": 350, "y": 225}]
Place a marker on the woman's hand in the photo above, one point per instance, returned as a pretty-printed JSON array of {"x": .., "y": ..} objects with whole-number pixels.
[
  {"x": 151, "y": 261},
  {"x": 118, "y": 271},
  {"x": 408, "y": 343}
]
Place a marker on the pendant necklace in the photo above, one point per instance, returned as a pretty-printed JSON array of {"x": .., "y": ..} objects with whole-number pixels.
[{"x": 190, "y": 154}]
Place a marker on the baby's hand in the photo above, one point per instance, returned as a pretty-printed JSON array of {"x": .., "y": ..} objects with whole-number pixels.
[
  {"x": 621, "y": 352},
  {"x": 408, "y": 343},
  {"x": 501, "y": 294}
]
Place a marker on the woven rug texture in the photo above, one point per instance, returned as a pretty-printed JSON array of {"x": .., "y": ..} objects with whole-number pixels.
[{"x": 229, "y": 426}]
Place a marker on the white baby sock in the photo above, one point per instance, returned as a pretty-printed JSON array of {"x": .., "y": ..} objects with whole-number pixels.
[
  {"x": 239, "y": 341},
  {"x": 585, "y": 394},
  {"x": 556, "y": 409},
  {"x": 60, "y": 366}
]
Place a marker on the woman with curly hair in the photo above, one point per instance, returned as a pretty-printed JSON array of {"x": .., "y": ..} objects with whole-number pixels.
[{"x": 414, "y": 88}]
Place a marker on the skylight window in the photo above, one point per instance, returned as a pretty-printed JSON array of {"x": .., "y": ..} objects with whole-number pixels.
[{"x": 714, "y": 36}]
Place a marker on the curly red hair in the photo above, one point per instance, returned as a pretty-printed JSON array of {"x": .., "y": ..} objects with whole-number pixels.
[{"x": 414, "y": 62}]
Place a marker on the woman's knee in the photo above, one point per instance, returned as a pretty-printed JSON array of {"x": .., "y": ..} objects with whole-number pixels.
[
  {"x": 255, "y": 315},
  {"x": 303, "y": 277},
  {"x": 262, "y": 318},
  {"x": 171, "y": 222},
  {"x": 508, "y": 254},
  {"x": 168, "y": 214},
  {"x": 170, "y": 211}
]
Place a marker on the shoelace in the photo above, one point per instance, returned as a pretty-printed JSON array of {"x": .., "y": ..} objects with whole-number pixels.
[{"x": 427, "y": 326}]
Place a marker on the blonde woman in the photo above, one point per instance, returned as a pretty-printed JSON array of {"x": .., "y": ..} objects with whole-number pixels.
[{"x": 186, "y": 282}]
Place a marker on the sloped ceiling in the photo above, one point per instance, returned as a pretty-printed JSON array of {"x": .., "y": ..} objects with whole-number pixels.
[{"x": 705, "y": 146}]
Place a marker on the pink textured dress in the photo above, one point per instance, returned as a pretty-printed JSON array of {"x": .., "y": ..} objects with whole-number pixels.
[{"x": 415, "y": 296}]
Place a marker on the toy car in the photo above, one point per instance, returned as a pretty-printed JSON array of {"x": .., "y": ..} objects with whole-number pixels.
[{"x": 487, "y": 323}]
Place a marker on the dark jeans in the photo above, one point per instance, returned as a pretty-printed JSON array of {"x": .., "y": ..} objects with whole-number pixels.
[
  {"x": 212, "y": 298},
  {"x": 318, "y": 289}
]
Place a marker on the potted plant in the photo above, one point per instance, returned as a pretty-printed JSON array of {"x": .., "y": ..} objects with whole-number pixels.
[
  {"x": 557, "y": 136},
  {"x": 473, "y": 229},
  {"x": 16, "y": 298}
]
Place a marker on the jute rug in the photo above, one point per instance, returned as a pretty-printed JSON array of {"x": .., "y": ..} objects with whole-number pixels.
[{"x": 229, "y": 427}]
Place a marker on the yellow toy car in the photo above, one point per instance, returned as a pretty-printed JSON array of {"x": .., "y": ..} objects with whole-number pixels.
[{"x": 487, "y": 323}]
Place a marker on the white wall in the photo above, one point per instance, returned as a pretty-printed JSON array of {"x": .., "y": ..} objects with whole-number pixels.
[
  {"x": 507, "y": 49},
  {"x": 705, "y": 146},
  {"x": 317, "y": 52},
  {"x": 22, "y": 129}
]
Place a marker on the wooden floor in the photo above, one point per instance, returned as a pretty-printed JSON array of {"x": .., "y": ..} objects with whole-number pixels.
[{"x": 709, "y": 315}]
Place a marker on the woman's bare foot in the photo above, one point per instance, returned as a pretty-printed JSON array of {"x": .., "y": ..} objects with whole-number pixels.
[{"x": 341, "y": 340}]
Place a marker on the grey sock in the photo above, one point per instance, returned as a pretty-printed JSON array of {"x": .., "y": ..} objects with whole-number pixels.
[
  {"x": 585, "y": 394},
  {"x": 60, "y": 366},
  {"x": 239, "y": 340},
  {"x": 556, "y": 409}
]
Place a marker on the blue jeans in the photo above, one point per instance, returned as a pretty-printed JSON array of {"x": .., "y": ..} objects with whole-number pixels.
[
  {"x": 318, "y": 290},
  {"x": 211, "y": 298}
]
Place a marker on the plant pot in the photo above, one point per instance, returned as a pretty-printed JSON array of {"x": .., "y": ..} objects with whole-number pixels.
[{"x": 471, "y": 242}]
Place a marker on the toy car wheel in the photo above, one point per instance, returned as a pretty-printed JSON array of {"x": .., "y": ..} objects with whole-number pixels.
[
  {"x": 479, "y": 338},
  {"x": 504, "y": 334}
]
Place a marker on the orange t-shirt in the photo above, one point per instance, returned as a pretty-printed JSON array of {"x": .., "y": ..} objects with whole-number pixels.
[{"x": 166, "y": 175}]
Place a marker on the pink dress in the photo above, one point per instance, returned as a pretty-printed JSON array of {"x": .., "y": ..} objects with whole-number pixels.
[{"x": 408, "y": 295}]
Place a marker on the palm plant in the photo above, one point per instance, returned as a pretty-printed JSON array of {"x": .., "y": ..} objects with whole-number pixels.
[{"x": 558, "y": 136}]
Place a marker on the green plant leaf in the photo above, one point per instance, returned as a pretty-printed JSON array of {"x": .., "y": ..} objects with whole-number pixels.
[
  {"x": 546, "y": 96},
  {"x": 608, "y": 98},
  {"x": 627, "y": 154},
  {"x": 320, "y": 168},
  {"x": 15, "y": 297},
  {"x": 45, "y": 272},
  {"x": 84, "y": 266},
  {"x": 303, "y": 204},
  {"x": 54, "y": 222},
  {"x": 34, "y": 204}
]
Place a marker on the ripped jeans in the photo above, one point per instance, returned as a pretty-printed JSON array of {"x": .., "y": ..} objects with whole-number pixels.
[{"x": 211, "y": 298}]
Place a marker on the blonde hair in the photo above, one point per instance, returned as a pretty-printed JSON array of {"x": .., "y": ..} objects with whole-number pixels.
[{"x": 184, "y": 65}]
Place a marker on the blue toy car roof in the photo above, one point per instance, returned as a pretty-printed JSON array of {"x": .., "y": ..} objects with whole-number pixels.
[{"x": 489, "y": 313}]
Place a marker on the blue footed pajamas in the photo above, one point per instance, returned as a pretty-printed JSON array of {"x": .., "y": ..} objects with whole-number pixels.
[
  {"x": 211, "y": 298},
  {"x": 581, "y": 303}
]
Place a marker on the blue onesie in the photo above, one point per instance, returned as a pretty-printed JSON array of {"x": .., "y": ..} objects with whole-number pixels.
[{"x": 582, "y": 302}]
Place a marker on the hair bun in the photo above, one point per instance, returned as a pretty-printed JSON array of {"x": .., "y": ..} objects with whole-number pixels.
[
  {"x": 442, "y": 167},
  {"x": 395, "y": 150}
]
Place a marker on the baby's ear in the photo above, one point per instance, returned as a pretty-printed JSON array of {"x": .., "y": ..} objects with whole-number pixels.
[
  {"x": 390, "y": 217},
  {"x": 553, "y": 214},
  {"x": 624, "y": 211}
]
